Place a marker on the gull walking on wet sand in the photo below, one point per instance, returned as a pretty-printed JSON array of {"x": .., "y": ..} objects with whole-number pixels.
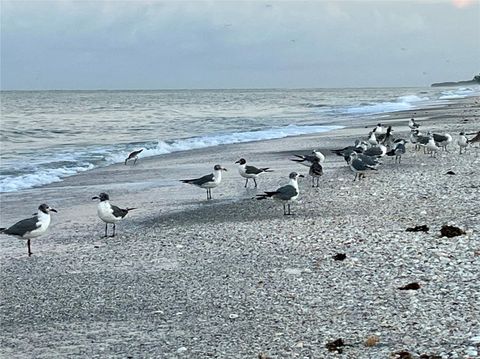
[
  {"x": 31, "y": 227},
  {"x": 110, "y": 213},
  {"x": 208, "y": 181},
  {"x": 133, "y": 156},
  {"x": 250, "y": 171},
  {"x": 285, "y": 194}
]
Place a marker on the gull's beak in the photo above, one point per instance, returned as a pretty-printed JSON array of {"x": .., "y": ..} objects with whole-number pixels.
[
  {"x": 301, "y": 176},
  {"x": 224, "y": 169},
  {"x": 53, "y": 210},
  {"x": 96, "y": 197},
  {"x": 238, "y": 161}
]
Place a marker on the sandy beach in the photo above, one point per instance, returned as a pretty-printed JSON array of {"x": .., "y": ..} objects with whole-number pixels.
[{"x": 233, "y": 277}]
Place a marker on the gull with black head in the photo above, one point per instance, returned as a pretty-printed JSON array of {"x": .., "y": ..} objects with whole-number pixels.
[
  {"x": 31, "y": 227},
  {"x": 250, "y": 171},
  {"x": 110, "y": 213},
  {"x": 208, "y": 181},
  {"x": 285, "y": 194}
]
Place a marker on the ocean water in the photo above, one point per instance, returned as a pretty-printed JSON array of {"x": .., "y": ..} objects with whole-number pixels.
[{"x": 48, "y": 135}]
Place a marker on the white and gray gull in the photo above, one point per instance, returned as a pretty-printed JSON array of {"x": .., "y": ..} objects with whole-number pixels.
[
  {"x": 31, "y": 227},
  {"x": 250, "y": 171},
  {"x": 285, "y": 194},
  {"x": 208, "y": 181},
  {"x": 110, "y": 213},
  {"x": 359, "y": 167}
]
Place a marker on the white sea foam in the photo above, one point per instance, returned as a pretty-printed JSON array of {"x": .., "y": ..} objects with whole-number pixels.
[
  {"x": 193, "y": 143},
  {"x": 458, "y": 93},
  {"x": 39, "y": 178},
  {"x": 402, "y": 103}
]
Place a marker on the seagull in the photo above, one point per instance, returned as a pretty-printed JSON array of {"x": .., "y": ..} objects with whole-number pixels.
[
  {"x": 250, "y": 171},
  {"x": 432, "y": 146},
  {"x": 315, "y": 171},
  {"x": 307, "y": 160},
  {"x": 349, "y": 149},
  {"x": 386, "y": 138},
  {"x": 397, "y": 151},
  {"x": 372, "y": 139},
  {"x": 442, "y": 140},
  {"x": 31, "y": 227},
  {"x": 475, "y": 139},
  {"x": 286, "y": 193},
  {"x": 422, "y": 141},
  {"x": 376, "y": 151},
  {"x": 110, "y": 213},
  {"x": 412, "y": 124},
  {"x": 379, "y": 129},
  {"x": 133, "y": 156},
  {"x": 462, "y": 142},
  {"x": 368, "y": 160},
  {"x": 208, "y": 181},
  {"x": 359, "y": 167}
]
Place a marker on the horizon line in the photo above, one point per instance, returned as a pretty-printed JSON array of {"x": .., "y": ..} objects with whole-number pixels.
[{"x": 215, "y": 88}]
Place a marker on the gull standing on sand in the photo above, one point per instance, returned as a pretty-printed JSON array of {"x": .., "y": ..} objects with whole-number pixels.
[
  {"x": 475, "y": 139},
  {"x": 359, "y": 147},
  {"x": 379, "y": 129},
  {"x": 133, "y": 156},
  {"x": 432, "y": 146},
  {"x": 386, "y": 138},
  {"x": 208, "y": 181},
  {"x": 307, "y": 160},
  {"x": 31, "y": 227},
  {"x": 250, "y": 171},
  {"x": 412, "y": 124},
  {"x": 316, "y": 171},
  {"x": 442, "y": 140},
  {"x": 110, "y": 213},
  {"x": 372, "y": 139},
  {"x": 376, "y": 151},
  {"x": 462, "y": 142},
  {"x": 397, "y": 151},
  {"x": 286, "y": 194},
  {"x": 359, "y": 167}
]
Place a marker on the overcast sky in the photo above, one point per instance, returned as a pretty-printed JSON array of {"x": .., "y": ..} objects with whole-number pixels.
[{"x": 237, "y": 44}]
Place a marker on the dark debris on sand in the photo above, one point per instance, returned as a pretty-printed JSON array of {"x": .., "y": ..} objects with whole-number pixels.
[
  {"x": 410, "y": 286},
  {"x": 422, "y": 228},
  {"x": 336, "y": 346},
  {"x": 451, "y": 231}
]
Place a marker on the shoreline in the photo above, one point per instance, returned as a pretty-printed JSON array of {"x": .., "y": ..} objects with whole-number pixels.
[
  {"x": 125, "y": 177},
  {"x": 234, "y": 277}
]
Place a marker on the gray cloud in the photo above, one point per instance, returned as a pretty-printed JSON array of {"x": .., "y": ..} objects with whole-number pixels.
[{"x": 210, "y": 44}]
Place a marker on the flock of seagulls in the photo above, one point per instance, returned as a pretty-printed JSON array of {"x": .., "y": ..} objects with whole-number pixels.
[{"x": 362, "y": 157}]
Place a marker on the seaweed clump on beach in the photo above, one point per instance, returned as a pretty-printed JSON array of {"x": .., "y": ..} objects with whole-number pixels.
[
  {"x": 422, "y": 228},
  {"x": 336, "y": 346},
  {"x": 451, "y": 231},
  {"x": 410, "y": 286},
  {"x": 402, "y": 355}
]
